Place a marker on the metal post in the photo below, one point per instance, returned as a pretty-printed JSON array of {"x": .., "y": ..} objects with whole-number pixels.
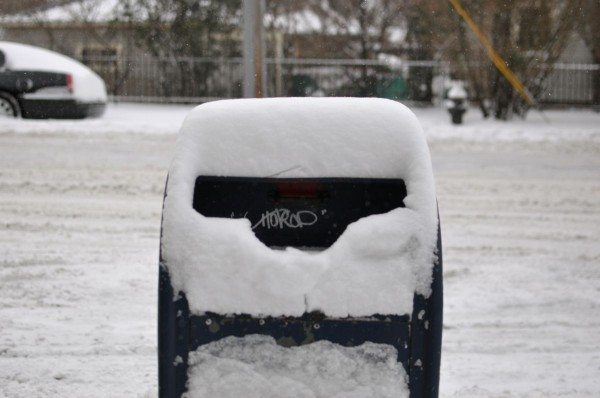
[
  {"x": 278, "y": 66},
  {"x": 254, "y": 49}
]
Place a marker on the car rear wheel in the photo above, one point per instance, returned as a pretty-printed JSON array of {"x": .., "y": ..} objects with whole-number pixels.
[{"x": 9, "y": 107}]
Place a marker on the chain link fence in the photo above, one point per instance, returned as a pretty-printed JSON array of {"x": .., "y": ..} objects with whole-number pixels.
[{"x": 194, "y": 80}]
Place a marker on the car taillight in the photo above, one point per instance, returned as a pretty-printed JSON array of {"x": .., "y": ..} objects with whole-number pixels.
[{"x": 70, "y": 83}]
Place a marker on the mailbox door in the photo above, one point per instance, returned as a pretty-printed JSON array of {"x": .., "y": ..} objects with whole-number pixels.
[{"x": 308, "y": 213}]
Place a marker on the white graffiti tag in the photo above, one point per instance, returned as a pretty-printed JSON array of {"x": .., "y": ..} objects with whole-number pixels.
[{"x": 284, "y": 218}]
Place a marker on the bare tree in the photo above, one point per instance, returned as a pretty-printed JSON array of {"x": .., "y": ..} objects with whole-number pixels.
[
  {"x": 427, "y": 26},
  {"x": 529, "y": 35},
  {"x": 369, "y": 26},
  {"x": 27, "y": 6},
  {"x": 176, "y": 31}
]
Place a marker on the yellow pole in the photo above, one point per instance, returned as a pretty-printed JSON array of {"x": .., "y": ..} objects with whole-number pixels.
[{"x": 492, "y": 54}]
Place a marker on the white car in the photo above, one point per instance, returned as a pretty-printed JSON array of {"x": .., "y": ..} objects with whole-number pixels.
[{"x": 37, "y": 83}]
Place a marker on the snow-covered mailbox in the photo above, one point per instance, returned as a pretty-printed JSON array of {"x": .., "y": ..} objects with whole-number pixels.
[{"x": 300, "y": 253}]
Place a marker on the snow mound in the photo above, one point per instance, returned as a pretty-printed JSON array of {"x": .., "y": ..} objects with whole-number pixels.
[
  {"x": 374, "y": 267},
  {"x": 255, "y": 366}
]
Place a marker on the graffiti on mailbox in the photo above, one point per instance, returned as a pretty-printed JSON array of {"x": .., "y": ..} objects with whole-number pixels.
[{"x": 285, "y": 218}]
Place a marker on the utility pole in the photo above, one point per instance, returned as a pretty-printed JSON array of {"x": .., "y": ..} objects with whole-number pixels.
[
  {"x": 255, "y": 70},
  {"x": 278, "y": 67}
]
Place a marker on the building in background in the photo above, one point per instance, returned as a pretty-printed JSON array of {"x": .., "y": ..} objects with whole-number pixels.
[{"x": 310, "y": 51}]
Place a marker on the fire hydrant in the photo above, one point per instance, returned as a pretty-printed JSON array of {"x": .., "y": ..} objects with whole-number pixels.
[{"x": 457, "y": 102}]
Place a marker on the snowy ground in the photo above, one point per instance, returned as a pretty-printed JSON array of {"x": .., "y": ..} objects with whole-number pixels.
[{"x": 80, "y": 205}]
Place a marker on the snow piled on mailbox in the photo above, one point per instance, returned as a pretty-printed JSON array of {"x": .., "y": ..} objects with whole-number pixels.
[
  {"x": 255, "y": 366},
  {"x": 374, "y": 267}
]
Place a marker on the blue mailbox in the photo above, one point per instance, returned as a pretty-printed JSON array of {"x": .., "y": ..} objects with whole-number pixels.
[{"x": 253, "y": 178}]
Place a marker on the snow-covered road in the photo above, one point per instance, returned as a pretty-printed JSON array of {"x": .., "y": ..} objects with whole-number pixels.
[{"x": 80, "y": 207}]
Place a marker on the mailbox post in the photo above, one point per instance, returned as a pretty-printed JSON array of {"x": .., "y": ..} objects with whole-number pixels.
[{"x": 312, "y": 174}]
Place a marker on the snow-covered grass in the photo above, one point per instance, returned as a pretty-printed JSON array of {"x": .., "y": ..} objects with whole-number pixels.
[
  {"x": 537, "y": 127},
  {"x": 550, "y": 126},
  {"x": 119, "y": 119},
  {"x": 80, "y": 206}
]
